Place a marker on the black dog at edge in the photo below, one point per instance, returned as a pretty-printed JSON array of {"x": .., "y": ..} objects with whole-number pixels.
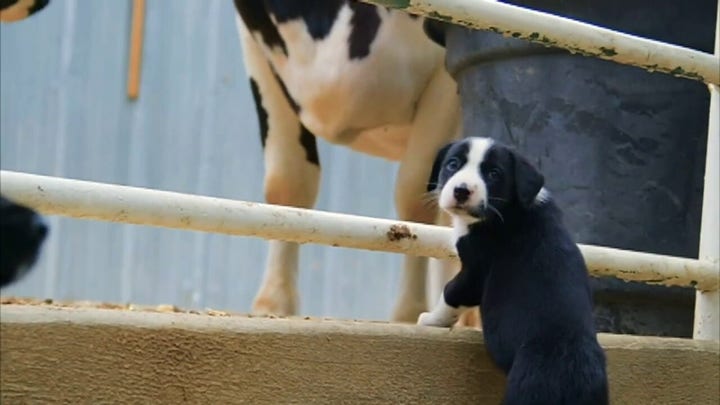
[
  {"x": 22, "y": 232},
  {"x": 520, "y": 265}
]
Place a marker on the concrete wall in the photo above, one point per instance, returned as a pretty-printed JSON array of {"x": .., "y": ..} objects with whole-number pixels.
[{"x": 89, "y": 355}]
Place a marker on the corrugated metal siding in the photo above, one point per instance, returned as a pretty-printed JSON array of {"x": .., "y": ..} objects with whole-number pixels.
[{"x": 64, "y": 112}]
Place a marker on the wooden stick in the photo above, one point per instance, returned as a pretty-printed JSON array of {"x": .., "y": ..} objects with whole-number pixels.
[{"x": 136, "y": 43}]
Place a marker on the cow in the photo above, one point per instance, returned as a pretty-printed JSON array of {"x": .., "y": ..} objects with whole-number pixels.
[{"x": 357, "y": 75}]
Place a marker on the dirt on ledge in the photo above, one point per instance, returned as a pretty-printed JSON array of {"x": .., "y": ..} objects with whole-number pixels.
[{"x": 162, "y": 308}]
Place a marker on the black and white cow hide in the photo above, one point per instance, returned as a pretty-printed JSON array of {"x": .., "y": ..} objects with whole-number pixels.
[
  {"x": 356, "y": 75},
  {"x": 16, "y": 10}
]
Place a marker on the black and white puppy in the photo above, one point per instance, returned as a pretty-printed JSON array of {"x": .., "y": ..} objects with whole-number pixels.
[
  {"x": 520, "y": 265},
  {"x": 22, "y": 232}
]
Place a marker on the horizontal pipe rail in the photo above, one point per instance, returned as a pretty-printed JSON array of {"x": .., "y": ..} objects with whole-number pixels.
[
  {"x": 115, "y": 203},
  {"x": 575, "y": 36}
]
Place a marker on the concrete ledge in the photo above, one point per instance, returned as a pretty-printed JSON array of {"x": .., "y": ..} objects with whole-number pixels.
[{"x": 89, "y": 355}]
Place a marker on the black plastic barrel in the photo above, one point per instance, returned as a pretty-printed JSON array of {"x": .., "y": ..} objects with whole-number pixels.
[{"x": 622, "y": 149}]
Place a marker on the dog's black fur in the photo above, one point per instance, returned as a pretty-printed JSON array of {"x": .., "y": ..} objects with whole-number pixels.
[
  {"x": 22, "y": 232},
  {"x": 531, "y": 282}
]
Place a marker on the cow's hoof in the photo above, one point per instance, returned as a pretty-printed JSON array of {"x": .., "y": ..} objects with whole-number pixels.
[{"x": 279, "y": 306}]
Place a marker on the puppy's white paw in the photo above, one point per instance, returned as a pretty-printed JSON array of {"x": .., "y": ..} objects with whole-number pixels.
[{"x": 430, "y": 319}]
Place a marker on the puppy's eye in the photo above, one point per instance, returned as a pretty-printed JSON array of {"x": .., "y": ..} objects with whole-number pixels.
[
  {"x": 452, "y": 164},
  {"x": 493, "y": 175}
]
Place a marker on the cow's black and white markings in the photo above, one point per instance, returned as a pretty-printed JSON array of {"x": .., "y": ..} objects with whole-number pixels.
[
  {"x": 16, "y": 10},
  {"x": 520, "y": 265},
  {"x": 355, "y": 75}
]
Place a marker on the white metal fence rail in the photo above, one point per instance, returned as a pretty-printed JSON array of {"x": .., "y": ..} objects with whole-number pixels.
[
  {"x": 107, "y": 202},
  {"x": 707, "y": 303},
  {"x": 575, "y": 36}
]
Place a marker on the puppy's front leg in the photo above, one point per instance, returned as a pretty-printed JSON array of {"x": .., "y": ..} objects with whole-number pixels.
[{"x": 461, "y": 293}]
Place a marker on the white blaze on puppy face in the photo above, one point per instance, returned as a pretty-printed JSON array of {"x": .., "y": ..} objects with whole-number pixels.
[{"x": 467, "y": 176}]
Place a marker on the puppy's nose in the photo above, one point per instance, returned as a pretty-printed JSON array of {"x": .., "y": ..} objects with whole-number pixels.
[{"x": 461, "y": 193}]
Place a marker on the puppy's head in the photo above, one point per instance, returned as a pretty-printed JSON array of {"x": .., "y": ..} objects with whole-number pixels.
[
  {"x": 22, "y": 232},
  {"x": 478, "y": 179}
]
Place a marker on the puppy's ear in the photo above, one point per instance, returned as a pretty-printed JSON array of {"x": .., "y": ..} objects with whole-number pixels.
[
  {"x": 437, "y": 166},
  {"x": 528, "y": 181}
]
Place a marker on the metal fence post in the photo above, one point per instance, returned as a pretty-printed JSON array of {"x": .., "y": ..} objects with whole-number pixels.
[{"x": 707, "y": 303}]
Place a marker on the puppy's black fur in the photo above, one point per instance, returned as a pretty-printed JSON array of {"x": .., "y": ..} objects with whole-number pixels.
[
  {"x": 22, "y": 232},
  {"x": 521, "y": 266}
]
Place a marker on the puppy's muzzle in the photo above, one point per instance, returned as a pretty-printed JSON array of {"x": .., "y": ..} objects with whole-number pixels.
[{"x": 462, "y": 194}]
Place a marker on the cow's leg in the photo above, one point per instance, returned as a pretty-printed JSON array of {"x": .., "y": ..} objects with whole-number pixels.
[
  {"x": 436, "y": 123},
  {"x": 441, "y": 272},
  {"x": 292, "y": 175}
]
